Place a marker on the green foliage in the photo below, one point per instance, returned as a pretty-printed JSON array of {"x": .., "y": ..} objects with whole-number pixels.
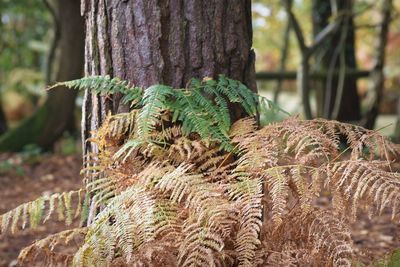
[
  {"x": 394, "y": 259},
  {"x": 105, "y": 85},
  {"x": 68, "y": 145},
  {"x": 25, "y": 31},
  {"x": 201, "y": 108},
  {"x": 9, "y": 165},
  {"x": 67, "y": 205},
  {"x": 30, "y": 154}
]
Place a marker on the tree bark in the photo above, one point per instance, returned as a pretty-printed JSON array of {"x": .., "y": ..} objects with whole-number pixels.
[
  {"x": 149, "y": 42},
  {"x": 337, "y": 96}
]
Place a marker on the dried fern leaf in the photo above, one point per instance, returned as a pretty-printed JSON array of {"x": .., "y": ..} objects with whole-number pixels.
[{"x": 51, "y": 251}]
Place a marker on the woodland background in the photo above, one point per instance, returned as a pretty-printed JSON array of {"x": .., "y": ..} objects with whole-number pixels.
[{"x": 40, "y": 130}]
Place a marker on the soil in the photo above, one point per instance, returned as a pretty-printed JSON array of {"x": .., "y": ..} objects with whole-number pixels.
[
  {"x": 40, "y": 175},
  {"x": 56, "y": 173}
]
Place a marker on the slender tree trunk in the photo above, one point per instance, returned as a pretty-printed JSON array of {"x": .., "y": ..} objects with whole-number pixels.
[
  {"x": 397, "y": 127},
  {"x": 378, "y": 76},
  {"x": 284, "y": 54},
  {"x": 47, "y": 124},
  {"x": 3, "y": 121},
  {"x": 169, "y": 42},
  {"x": 337, "y": 96}
]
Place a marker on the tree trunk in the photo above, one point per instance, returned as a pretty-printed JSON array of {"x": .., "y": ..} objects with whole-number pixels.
[
  {"x": 3, "y": 121},
  {"x": 396, "y": 134},
  {"x": 337, "y": 96},
  {"x": 284, "y": 55},
  {"x": 149, "y": 42},
  {"x": 378, "y": 75},
  {"x": 47, "y": 124}
]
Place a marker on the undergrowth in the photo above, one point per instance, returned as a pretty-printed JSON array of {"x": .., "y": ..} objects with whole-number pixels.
[{"x": 176, "y": 183}]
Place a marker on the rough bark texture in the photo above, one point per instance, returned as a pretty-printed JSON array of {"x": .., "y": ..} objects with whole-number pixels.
[
  {"x": 48, "y": 123},
  {"x": 170, "y": 41},
  {"x": 337, "y": 52}
]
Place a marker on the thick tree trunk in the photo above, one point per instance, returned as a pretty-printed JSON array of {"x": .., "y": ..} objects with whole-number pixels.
[
  {"x": 47, "y": 124},
  {"x": 337, "y": 96},
  {"x": 169, "y": 42},
  {"x": 70, "y": 66}
]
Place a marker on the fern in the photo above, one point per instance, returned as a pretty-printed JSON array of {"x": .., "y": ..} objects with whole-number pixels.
[
  {"x": 248, "y": 192},
  {"x": 175, "y": 183},
  {"x": 105, "y": 85},
  {"x": 191, "y": 106},
  {"x": 154, "y": 103},
  {"x": 35, "y": 211},
  {"x": 53, "y": 248}
]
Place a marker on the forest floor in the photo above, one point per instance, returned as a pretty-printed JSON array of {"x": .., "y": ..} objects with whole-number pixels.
[
  {"x": 24, "y": 182},
  {"x": 56, "y": 173}
]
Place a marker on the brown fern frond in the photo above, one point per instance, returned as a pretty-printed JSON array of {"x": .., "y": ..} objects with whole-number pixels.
[
  {"x": 126, "y": 223},
  {"x": 204, "y": 199},
  {"x": 365, "y": 182},
  {"x": 330, "y": 238},
  {"x": 114, "y": 129},
  {"x": 326, "y": 238},
  {"x": 361, "y": 141},
  {"x": 278, "y": 187},
  {"x": 286, "y": 258},
  {"x": 247, "y": 193},
  {"x": 303, "y": 141},
  {"x": 242, "y": 128},
  {"x": 201, "y": 247},
  {"x": 153, "y": 254},
  {"x": 184, "y": 149},
  {"x": 55, "y": 250}
]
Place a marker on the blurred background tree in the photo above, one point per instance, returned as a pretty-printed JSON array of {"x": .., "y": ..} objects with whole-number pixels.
[
  {"x": 349, "y": 76},
  {"x": 61, "y": 59},
  {"x": 24, "y": 27},
  {"x": 353, "y": 74}
]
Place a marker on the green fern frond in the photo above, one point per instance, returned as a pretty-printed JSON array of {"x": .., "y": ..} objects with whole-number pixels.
[
  {"x": 154, "y": 103},
  {"x": 35, "y": 210},
  {"x": 197, "y": 114},
  {"x": 104, "y": 85},
  {"x": 236, "y": 92}
]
